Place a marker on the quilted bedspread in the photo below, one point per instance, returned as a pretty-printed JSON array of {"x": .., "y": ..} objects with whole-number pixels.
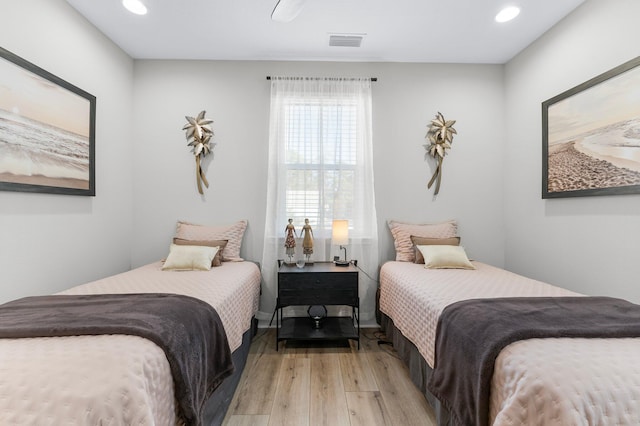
[
  {"x": 558, "y": 381},
  {"x": 116, "y": 379}
]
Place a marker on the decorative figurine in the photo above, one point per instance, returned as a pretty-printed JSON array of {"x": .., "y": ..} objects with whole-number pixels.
[
  {"x": 290, "y": 240},
  {"x": 307, "y": 241}
]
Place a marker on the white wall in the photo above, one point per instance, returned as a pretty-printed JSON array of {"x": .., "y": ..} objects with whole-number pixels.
[
  {"x": 52, "y": 242},
  {"x": 236, "y": 96},
  {"x": 588, "y": 244}
]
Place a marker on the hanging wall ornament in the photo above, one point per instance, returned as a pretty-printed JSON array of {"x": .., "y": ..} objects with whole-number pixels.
[
  {"x": 199, "y": 133},
  {"x": 440, "y": 136}
]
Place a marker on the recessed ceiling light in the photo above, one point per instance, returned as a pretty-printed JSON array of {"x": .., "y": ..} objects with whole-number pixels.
[
  {"x": 507, "y": 14},
  {"x": 135, "y": 6},
  {"x": 287, "y": 10}
]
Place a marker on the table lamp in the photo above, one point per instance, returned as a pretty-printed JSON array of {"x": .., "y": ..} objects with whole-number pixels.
[{"x": 340, "y": 237}]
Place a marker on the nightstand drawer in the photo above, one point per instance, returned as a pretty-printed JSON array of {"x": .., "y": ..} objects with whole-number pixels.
[
  {"x": 318, "y": 289},
  {"x": 317, "y": 281},
  {"x": 333, "y": 297}
]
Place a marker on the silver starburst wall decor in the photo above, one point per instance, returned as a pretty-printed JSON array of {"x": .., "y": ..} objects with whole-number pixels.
[
  {"x": 440, "y": 137},
  {"x": 199, "y": 133}
]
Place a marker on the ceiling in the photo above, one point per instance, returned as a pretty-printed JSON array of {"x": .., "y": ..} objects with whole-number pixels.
[{"x": 442, "y": 31}]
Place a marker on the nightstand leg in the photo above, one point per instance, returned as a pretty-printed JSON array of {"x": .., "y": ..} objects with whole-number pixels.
[{"x": 278, "y": 313}]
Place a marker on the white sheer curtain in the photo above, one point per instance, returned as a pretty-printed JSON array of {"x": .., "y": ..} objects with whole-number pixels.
[{"x": 321, "y": 169}]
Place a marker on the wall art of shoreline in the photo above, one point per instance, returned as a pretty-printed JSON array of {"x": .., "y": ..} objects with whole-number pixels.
[
  {"x": 605, "y": 157},
  {"x": 36, "y": 153},
  {"x": 591, "y": 136}
]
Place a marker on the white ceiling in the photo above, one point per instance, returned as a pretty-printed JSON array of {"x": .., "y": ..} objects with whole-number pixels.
[{"x": 446, "y": 31}]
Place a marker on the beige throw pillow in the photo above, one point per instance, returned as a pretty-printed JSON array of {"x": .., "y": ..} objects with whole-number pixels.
[
  {"x": 189, "y": 258},
  {"x": 421, "y": 241},
  {"x": 445, "y": 257},
  {"x": 217, "y": 260}
]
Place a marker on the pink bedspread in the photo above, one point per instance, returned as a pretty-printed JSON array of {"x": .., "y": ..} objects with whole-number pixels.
[
  {"x": 536, "y": 381},
  {"x": 116, "y": 379}
]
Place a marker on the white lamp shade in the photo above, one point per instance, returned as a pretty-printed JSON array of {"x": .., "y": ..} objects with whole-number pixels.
[{"x": 340, "y": 232}]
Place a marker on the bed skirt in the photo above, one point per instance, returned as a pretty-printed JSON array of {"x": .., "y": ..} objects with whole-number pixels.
[
  {"x": 218, "y": 403},
  {"x": 419, "y": 370}
]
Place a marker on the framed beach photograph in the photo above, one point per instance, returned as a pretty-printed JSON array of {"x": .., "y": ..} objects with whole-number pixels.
[
  {"x": 591, "y": 136},
  {"x": 47, "y": 131}
]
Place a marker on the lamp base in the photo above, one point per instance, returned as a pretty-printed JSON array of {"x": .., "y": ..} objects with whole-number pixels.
[{"x": 341, "y": 262}]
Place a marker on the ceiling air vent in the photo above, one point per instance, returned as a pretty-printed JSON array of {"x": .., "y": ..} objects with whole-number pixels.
[{"x": 343, "y": 40}]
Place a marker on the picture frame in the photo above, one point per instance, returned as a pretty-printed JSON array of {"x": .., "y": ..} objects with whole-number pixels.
[
  {"x": 47, "y": 131},
  {"x": 591, "y": 136}
]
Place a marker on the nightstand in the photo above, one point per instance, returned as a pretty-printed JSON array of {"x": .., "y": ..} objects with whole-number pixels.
[{"x": 321, "y": 283}]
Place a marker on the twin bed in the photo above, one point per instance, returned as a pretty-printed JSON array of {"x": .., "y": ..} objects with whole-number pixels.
[
  {"x": 535, "y": 381},
  {"x": 126, "y": 379}
]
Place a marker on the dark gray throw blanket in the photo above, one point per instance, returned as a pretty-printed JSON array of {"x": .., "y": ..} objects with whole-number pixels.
[
  {"x": 471, "y": 334},
  {"x": 187, "y": 329}
]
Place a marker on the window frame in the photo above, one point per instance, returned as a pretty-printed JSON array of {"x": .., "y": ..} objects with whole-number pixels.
[{"x": 323, "y": 219}]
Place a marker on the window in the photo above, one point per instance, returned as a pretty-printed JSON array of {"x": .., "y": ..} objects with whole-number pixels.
[
  {"x": 320, "y": 162},
  {"x": 321, "y": 169}
]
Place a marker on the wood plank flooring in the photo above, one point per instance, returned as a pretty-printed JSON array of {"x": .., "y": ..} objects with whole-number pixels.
[{"x": 332, "y": 384}]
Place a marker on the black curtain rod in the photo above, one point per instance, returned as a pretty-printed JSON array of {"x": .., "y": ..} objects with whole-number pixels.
[{"x": 372, "y": 78}]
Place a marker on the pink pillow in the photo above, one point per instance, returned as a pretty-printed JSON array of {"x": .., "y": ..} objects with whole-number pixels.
[
  {"x": 232, "y": 233},
  {"x": 402, "y": 233}
]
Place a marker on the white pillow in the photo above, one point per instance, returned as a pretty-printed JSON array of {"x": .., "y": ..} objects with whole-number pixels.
[
  {"x": 421, "y": 241},
  {"x": 189, "y": 258},
  {"x": 445, "y": 257}
]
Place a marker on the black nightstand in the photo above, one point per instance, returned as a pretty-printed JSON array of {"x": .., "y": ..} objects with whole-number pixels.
[{"x": 322, "y": 283}]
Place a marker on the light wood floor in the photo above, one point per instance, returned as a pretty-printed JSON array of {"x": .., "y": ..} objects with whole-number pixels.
[{"x": 307, "y": 383}]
